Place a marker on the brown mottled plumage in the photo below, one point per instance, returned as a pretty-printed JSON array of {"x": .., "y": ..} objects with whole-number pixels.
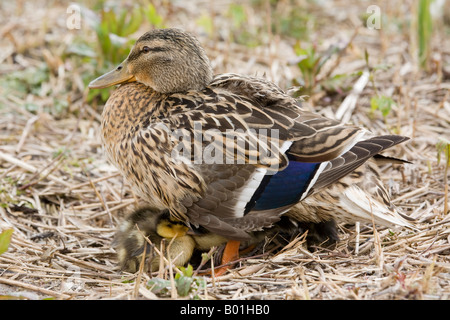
[{"x": 168, "y": 97}]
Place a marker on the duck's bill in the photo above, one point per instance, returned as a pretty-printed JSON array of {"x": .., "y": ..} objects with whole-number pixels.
[{"x": 118, "y": 75}]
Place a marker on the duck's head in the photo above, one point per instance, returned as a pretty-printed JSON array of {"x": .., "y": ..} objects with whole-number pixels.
[{"x": 167, "y": 60}]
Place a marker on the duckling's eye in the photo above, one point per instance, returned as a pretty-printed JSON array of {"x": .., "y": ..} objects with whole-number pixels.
[{"x": 146, "y": 49}]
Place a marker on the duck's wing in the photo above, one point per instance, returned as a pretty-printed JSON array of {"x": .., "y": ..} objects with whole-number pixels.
[
  {"x": 356, "y": 156},
  {"x": 249, "y": 120},
  {"x": 279, "y": 192},
  {"x": 313, "y": 138},
  {"x": 357, "y": 197}
]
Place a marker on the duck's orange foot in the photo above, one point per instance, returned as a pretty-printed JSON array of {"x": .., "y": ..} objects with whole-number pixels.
[{"x": 230, "y": 254}]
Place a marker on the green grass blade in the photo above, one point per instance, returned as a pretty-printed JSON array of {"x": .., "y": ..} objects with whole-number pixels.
[{"x": 5, "y": 239}]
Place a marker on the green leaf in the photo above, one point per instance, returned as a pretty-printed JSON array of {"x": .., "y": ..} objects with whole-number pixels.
[
  {"x": 201, "y": 283},
  {"x": 366, "y": 56},
  {"x": 382, "y": 66},
  {"x": 103, "y": 38},
  {"x": 335, "y": 83},
  {"x": 424, "y": 30},
  {"x": 205, "y": 21},
  {"x": 31, "y": 107},
  {"x": 382, "y": 103},
  {"x": 189, "y": 271},
  {"x": 237, "y": 14},
  {"x": 81, "y": 49},
  {"x": 5, "y": 239},
  {"x": 326, "y": 56},
  {"x": 309, "y": 63},
  {"x": 153, "y": 17},
  {"x": 184, "y": 284},
  {"x": 121, "y": 22},
  {"x": 133, "y": 24},
  {"x": 157, "y": 285},
  {"x": 443, "y": 146}
]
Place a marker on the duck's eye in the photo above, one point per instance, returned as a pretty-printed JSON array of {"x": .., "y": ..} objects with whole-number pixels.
[{"x": 146, "y": 49}]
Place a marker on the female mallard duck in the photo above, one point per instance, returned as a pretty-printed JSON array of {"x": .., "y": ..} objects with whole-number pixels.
[{"x": 230, "y": 153}]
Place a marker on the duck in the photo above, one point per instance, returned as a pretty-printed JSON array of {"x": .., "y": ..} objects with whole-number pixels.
[
  {"x": 157, "y": 226},
  {"x": 230, "y": 153}
]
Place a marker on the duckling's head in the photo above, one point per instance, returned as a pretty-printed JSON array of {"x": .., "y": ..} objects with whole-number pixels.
[
  {"x": 169, "y": 228},
  {"x": 167, "y": 60}
]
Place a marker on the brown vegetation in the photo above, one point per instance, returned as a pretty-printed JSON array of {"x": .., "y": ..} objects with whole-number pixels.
[{"x": 64, "y": 201}]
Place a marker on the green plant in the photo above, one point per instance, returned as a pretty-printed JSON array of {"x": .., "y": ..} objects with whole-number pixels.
[
  {"x": 310, "y": 63},
  {"x": 36, "y": 81},
  {"x": 114, "y": 30},
  {"x": 237, "y": 14},
  {"x": 5, "y": 239},
  {"x": 382, "y": 103},
  {"x": 206, "y": 22},
  {"x": 378, "y": 102},
  {"x": 112, "y": 33},
  {"x": 444, "y": 146},
  {"x": 241, "y": 31},
  {"x": 185, "y": 283},
  {"x": 113, "y": 45},
  {"x": 294, "y": 23},
  {"x": 153, "y": 17},
  {"x": 26, "y": 81},
  {"x": 424, "y": 30},
  {"x": 116, "y": 26}
]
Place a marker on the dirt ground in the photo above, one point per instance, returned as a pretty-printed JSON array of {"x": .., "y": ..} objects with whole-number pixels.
[{"x": 64, "y": 201}]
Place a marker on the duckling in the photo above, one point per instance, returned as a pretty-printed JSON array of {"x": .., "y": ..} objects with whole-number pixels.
[
  {"x": 228, "y": 152},
  {"x": 158, "y": 226}
]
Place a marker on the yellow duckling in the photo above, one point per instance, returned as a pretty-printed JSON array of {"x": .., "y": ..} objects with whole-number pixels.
[
  {"x": 180, "y": 242},
  {"x": 158, "y": 226}
]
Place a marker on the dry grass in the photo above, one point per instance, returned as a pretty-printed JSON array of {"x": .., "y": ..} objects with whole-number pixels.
[{"x": 64, "y": 200}]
